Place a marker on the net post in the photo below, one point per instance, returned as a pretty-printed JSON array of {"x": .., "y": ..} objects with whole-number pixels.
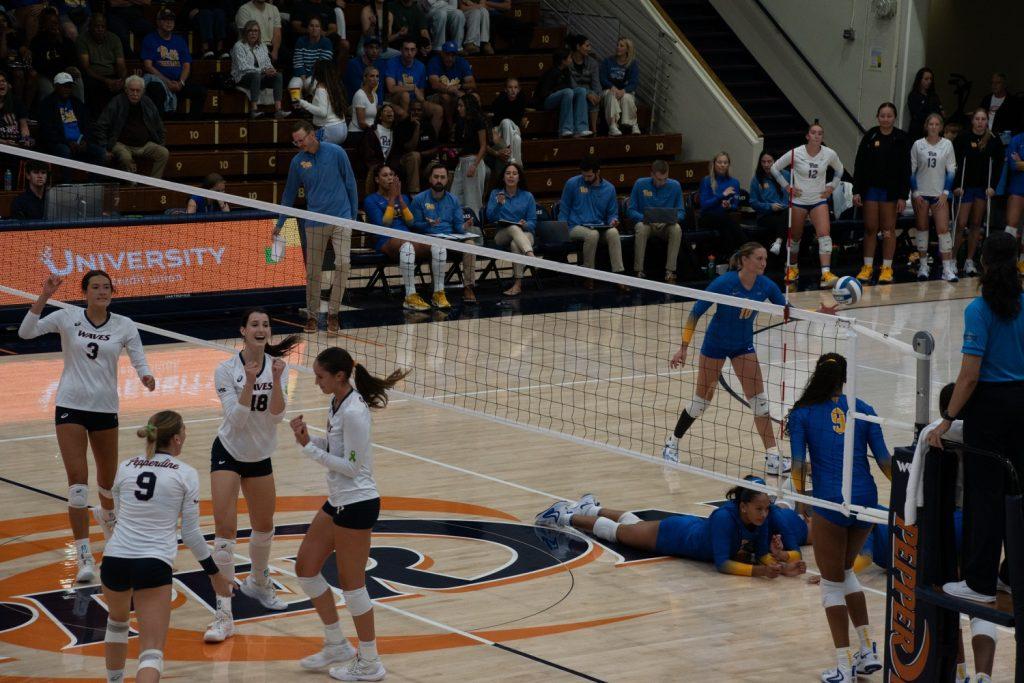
[
  {"x": 924, "y": 346},
  {"x": 849, "y": 338}
]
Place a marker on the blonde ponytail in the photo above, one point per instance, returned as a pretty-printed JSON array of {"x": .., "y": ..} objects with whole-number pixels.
[{"x": 159, "y": 430}]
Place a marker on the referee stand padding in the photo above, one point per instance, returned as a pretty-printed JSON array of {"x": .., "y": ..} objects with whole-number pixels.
[{"x": 923, "y": 625}]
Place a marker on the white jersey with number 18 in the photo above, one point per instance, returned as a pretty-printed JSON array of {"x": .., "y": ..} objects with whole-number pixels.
[{"x": 248, "y": 433}]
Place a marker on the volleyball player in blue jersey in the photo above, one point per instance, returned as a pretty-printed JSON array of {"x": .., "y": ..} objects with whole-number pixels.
[
  {"x": 730, "y": 335},
  {"x": 816, "y": 426}
]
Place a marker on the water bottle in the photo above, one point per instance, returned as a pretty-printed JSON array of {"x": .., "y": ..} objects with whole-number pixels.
[
  {"x": 712, "y": 270},
  {"x": 8, "y": 180}
]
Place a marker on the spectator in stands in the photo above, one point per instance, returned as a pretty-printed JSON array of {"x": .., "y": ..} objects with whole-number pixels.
[
  {"x": 620, "y": 76},
  {"x": 388, "y": 207},
  {"x": 446, "y": 21},
  {"x": 556, "y": 91},
  {"x": 512, "y": 207},
  {"x": 252, "y": 69},
  {"x": 719, "y": 200},
  {"x": 406, "y": 79},
  {"x": 478, "y": 27},
  {"x": 408, "y": 21},
  {"x": 450, "y": 77},
  {"x": 590, "y": 208},
  {"x": 424, "y": 50},
  {"x": 53, "y": 53},
  {"x": 585, "y": 72},
  {"x": 26, "y": 15},
  {"x": 14, "y": 52},
  {"x": 101, "y": 58},
  {"x": 378, "y": 143},
  {"x": 200, "y": 204},
  {"x": 769, "y": 201},
  {"x": 73, "y": 15},
  {"x": 416, "y": 138},
  {"x": 329, "y": 106},
  {"x": 128, "y": 16},
  {"x": 130, "y": 129},
  {"x": 28, "y": 205},
  {"x": 167, "y": 64},
  {"x": 65, "y": 124},
  {"x": 378, "y": 24},
  {"x": 437, "y": 212},
  {"x": 305, "y": 11},
  {"x": 323, "y": 170},
  {"x": 922, "y": 100},
  {"x": 509, "y": 114},
  {"x": 13, "y": 116},
  {"x": 1004, "y": 110},
  {"x": 210, "y": 18},
  {"x": 356, "y": 67},
  {"x": 309, "y": 49},
  {"x": 269, "y": 18},
  {"x": 469, "y": 136},
  {"x": 364, "y": 106},
  {"x": 657, "y": 192}
]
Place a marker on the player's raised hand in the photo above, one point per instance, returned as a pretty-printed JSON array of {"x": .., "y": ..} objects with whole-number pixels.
[
  {"x": 149, "y": 382},
  {"x": 277, "y": 368},
  {"x": 679, "y": 359},
  {"x": 300, "y": 430},
  {"x": 251, "y": 370},
  {"x": 51, "y": 285}
]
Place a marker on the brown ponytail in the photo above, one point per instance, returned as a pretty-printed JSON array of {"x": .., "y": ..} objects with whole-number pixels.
[
  {"x": 159, "y": 430},
  {"x": 372, "y": 389},
  {"x": 736, "y": 260}
]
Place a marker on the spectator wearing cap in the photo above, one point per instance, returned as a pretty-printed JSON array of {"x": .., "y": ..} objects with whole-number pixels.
[
  {"x": 53, "y": 53},
  {"x": 126, "y": 17},
  {"x": 585, "y": 73},
  {"x": 450, "y": 77},
  {"x": 620, "y": 76},
  {"x": 405, "y": 79},
  {"x": 130, "y": 129},
  {"x": 309, "y": 49},
  {"x": 65, "y": 125},
  {"x": 28, "y": 206},
  {"x": 252, "y": 69},
  {"x": 446, "y": 21},
  {"x": 408, "y": 21},
  {"x": 101, "y": 59},
  {"x": 269, "y": 18},
  {"x": 508, "y": 111},
  {"x": 355, "y": 67},
  {"x": 167, "y": 64},
  {"x": 478, "y": 27}
]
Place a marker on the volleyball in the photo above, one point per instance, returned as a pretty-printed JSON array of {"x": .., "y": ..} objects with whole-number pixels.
[{"x": 847, "y": 290}]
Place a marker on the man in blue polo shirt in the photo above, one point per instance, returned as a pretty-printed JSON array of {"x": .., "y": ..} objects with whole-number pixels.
[
  {"x": 323, "y": 170},
  {"x": 657, "y": 192},
  {"x": 167, "y": 65},
  {"x": 450, "y": 77},
  {"x": 589, "y": 207},
  {"x": 405, "y": 78}
]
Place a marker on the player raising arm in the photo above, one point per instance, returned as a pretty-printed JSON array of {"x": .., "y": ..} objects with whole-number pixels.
[{"x": 87, "y": 403}]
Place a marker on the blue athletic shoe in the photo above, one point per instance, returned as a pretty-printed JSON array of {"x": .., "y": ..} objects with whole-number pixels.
[
  {"x": 558, "y": 515},
  {"x": 865, "y": 662}
]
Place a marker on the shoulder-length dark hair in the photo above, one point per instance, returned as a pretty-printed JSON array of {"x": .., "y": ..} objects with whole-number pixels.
[
  {"x": 762, "y": 176},
  {"x": 374, "y": 390},
  {"x": 326, "y": 76},
  {"x": 1000, "y": 283},
  {"x": 499, "y": 180},
  {"x": 472, "y": 105},
  {"x": 919, "y": 77},
  {"x": 279, "y": 349},
  {"x": 826, "y": 381}
]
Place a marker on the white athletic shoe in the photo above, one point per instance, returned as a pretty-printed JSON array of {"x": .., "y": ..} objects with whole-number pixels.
[
  {"x": 866, "y": 662},
  {"x": 671, "y": 450},
  {"x": 949, "y": 272},
  {"x": 222, "y": 628},
  {"x": 107, "y": 519},
  {"x": 558, "y": 515},
  {"x": 360, "y": 669},
  {"x": 776, "y": 247},
  {"x": 585, "y": 504},
  {"x": 960, "y": 589},
  {"x": 838, "y": 675},
  {"x": 777, "y": 464},
  {"x": 923, "y": 271},
  {"x": 86, "y": 570},
  {"x": 331, "y": 654},
  {"x": 614, "y": 131},
  {"x": 265, "y": 595},
  {"x": 969, "y": 268}
]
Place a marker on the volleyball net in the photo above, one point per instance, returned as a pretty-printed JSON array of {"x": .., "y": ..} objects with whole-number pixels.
[{"x": 586, "y": 366}]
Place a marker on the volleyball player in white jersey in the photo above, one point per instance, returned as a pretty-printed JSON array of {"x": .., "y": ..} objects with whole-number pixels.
[
  {"x": 343, "y": 525},
  {"x": 250, "y": 386},
  {"x": 87, "y": 401},
  {"x": 151, "y": 492},
  {"x": 932, "y": 171},
  {"x": 809, "y": 194}
]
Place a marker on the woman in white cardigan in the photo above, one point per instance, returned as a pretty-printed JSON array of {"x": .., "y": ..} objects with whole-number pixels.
[
  {"x": 329, "y": 104},
  {"x": 252, "y": 70}
]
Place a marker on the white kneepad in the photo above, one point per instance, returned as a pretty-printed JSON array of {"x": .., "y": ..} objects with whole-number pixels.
[
  {"x": 832, "y": 593},
  {"x": 824, "y": 244},
  {"x": 759, "y": 405},
  {"x": 851, "y": 584},
  {"x": 313, "y": 586},
  {"x": 697, "y": 407},
  {"x": 78, "y": 496},
  {"x": 224, "y": 551},
  {"x": 921, "y": 240},
  {"x": 980, "y": 627},
  {"x": 358, "y": 601},
  {"x": 406, "y": 254},
  {"x": 151, "y": 659},
  {"x": 438, "y": 253},
  {"x": 945, "y": 242},
  {"x": 117, "y": 631}
]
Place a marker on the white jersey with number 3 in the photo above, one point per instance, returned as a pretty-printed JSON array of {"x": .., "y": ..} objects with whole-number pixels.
[
  {"x": 150, "y": 494},
  {"x": 91, "y": 352},
  {"x": 248, "y": 433},
  {"x": 809, "y": 173}
]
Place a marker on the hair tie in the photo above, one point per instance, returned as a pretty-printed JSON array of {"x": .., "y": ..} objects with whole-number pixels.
[
  {"x": 151, "y": 429},
  {"x": 352, "y": 376}
]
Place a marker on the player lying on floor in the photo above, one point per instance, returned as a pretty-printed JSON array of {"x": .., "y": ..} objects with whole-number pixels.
[{"x": 735, "y": 537}]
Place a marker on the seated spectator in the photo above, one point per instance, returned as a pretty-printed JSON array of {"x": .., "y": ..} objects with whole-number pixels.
[
  {"x": 167, "y": 64},
  {"x": 199, "y": 204},
  {"x": 1004, "y": 109},
  {"x": 252, "y": 69},
  {"x": 513, "y": 208},
  {"x": 719, "y": 200},
  {"x": 509, "y": 116},
  {"x": 309, "y": 49},
  {"x": 128, "y": 16},
  {"x": 585, "y": 72},
  {"x": 769, "y": 201},
  {"x": 590, "y": 208},
  {"x": 356, "y": 67},
  {"x": 378, "y": 24},
  {"x": 73, "y": 15},
  {"x": 437, "y": 212},
  {"x": 53, "y": 53},
  {"x": 306, "y": 10},
  {"x": 378, "y": 142},
  {"x": 14, "y": 52},
  {"x": 388, "y": 207},
  {"x": 364, "y": 105},
  {"x": 408, "y": 21},
  {"x": 405, "y": 80},
  {"x": 26, "y": 15},
  {"x": 424, "y": 50},
  {"x": 210, "y": 18},
  {"x": 13, "y": 117},
  {"x": 657, "y": 192},
  {"x": 450, "y": 77},
  {"x": 269, "y": 19},
  {"x": 65, "y": 125},
  {"x": 556, "y": 91},
  {"x": 29, "y": 205},
  {"x": 329, "y": 106},
  {"x": 446, "y": 21},
  {"x": 620, "y": 75},
  {"x": 101, "y": 58},
  {"x": 130, "y": 128},
  {"x": 417, "y": 140},
  {"x": 469, "y": 137},
  {"x": 478, "y": 27}
]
